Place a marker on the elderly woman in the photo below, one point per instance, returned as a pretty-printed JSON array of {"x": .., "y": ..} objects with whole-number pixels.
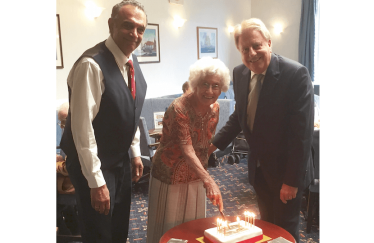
[{"x": 179, "y": 175}]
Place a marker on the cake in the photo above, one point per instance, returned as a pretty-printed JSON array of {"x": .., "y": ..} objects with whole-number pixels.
[{"x": 246, "y": 233}]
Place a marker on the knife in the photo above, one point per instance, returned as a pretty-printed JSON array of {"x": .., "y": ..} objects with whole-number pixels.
[{"x": 223, "y": 216}]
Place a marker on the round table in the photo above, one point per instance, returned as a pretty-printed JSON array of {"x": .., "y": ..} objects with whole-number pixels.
[{"x": 195, "y": 229}]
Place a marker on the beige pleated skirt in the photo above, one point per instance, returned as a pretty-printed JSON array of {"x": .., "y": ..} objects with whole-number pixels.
[{"x": 171, "y": 205}]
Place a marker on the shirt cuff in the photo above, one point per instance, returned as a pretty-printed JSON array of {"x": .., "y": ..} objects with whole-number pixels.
[
  {"x": 135, "y": 152},
  {"x": 96, "y": 180},
  {"x": 135, "y": 145}
]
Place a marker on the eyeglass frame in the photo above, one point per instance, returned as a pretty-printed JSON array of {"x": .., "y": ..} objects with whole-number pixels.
[{"x": 215, "y": 87}]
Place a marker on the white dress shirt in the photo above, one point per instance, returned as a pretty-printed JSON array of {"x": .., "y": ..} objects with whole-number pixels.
[
  {"x": 253, "y": 82},
  {"x": 86, "y": 83}
]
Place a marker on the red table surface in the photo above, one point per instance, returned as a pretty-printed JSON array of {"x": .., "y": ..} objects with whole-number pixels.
[{"x": 195, "y": 229}]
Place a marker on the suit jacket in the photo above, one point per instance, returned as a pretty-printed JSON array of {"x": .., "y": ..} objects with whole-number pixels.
[{"x": 283, "y": 126}]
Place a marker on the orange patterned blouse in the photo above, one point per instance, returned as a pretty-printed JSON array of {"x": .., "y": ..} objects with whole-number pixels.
[{"x": 181, "y": 126}]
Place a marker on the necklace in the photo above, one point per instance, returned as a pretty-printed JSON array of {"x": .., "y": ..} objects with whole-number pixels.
[
  {"x": 202, "y": 118},
  {"x": 199, "y": 113}
]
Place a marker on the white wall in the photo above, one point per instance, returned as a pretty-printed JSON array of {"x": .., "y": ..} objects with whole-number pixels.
[
  {"x": 286, "y": 12},
  {"x": 177, "y": 46}
]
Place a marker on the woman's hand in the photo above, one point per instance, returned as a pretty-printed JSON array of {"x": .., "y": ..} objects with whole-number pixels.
[{"x": 213, "y": 193}]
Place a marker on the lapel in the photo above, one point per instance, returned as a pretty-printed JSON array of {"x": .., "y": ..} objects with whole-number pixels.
[
  {"x": 270, "y": 80},
  {"x": 243, "y": 95}
]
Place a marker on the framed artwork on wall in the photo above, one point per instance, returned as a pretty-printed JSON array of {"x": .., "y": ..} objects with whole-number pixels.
[
  {"x": 149, "y": 50},
  {"x": 59, "y": 60},
  {"x": 207, "y": 42}
]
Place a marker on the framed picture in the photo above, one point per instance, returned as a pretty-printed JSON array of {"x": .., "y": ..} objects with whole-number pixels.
[
  {"x": 157, "y": 117},
  {"x": 149, "y": 50},
  {"x": 59, "y": 61},
  {"x": 207, "y": 42}
]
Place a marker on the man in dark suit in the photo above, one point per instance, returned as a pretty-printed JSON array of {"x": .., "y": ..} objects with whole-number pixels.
[
  {"x": 274, "y": 108},
  {"x": 106, "y": 95}
]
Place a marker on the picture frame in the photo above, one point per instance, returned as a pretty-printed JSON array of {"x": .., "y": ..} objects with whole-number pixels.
[
  {"x": 59, "y": 59},
  {"x": 157, "y": 118},
  {"x": 207, "y": 42},
  {"x": 149, "y": 49}
]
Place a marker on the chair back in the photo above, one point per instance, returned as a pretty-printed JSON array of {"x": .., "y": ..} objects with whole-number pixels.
[{"x": 146, "y": 150}]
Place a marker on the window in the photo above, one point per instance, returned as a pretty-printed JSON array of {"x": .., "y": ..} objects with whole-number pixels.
[{"x": 344, "y": 60}]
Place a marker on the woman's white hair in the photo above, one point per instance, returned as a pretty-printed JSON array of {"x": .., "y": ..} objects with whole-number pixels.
[{"x": 209, "y": 66}]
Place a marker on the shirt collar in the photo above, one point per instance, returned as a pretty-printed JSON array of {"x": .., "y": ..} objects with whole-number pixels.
[
  {"x": 120, "y": 58},
  {"x": 263, "y": 73}
]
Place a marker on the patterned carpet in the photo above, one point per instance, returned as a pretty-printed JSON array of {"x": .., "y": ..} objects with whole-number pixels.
[{"x": 238, "y": 196}]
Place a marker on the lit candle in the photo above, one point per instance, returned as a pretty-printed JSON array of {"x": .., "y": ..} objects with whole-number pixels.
[
  {"x": 245, "y": 218},
  {"x": 237, "y": 219},
  {"x": 224, "y": 227},
  {"x": 254, "y": 217},
  {"x": 217, "y": 224}
]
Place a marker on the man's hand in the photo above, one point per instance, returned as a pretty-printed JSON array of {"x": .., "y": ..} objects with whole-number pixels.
[
  {"x": 100, "y": 199},
  {"x": 136, "y": 168},
  {"x": 211, "y": 149},
  {"x": 287, "y": 193}
]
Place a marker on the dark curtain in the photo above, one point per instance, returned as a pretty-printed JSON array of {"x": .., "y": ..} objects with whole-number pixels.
[{"x": 307, "y": 34}]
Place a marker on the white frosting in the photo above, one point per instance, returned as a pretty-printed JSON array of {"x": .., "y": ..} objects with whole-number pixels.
[{"x": 250, "y": 232}]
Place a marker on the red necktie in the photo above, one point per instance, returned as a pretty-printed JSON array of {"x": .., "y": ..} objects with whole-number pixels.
[{"x": 131, "y": 78}]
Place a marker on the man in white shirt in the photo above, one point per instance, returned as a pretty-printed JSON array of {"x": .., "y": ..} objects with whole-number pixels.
[{"x": 101, "y": 132}]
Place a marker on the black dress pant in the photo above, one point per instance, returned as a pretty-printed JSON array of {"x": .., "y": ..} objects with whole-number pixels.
[
  {"x": 96, "y": 227},
  {"x": 273, "y": 210}
]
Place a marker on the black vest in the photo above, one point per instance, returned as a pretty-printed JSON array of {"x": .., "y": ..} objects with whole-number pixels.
[{"x": 116, "y": 122}]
